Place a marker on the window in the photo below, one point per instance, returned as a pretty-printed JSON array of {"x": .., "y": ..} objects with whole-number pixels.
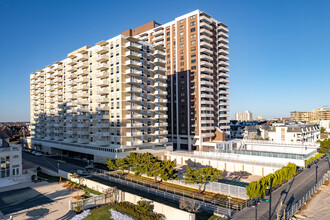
[
  {"x": 168, "y": 34},
  {"x": 181, "y": 21},
  {"x": 193, "y": 48},
  {"x": 181, "y": 51},
  {"x": 193, "y": 61},
  {"x": 193, "y": 42},
  {"x": 192, "y": 17},
  {"x": 193, "y": 36},
  {"x": 193, "y": 67},
  {"x": 181, "y": 33},
  {"x": 182, "y": 58},
  {"x": 192, "y": 23},
  {"x": 168, "y": 39},
  {"x": 193, "y": 55},
  {"x": 182, "y": 64},
  {"x": 192, "y": 29},
  {"x": 181, "y": 39},
  {"x": 181, "y": 45}
]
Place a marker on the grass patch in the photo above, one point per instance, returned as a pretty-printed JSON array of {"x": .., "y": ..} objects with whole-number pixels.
[
  {"x": 102, "y": 213},
  {"x": 49, "y": 178}
]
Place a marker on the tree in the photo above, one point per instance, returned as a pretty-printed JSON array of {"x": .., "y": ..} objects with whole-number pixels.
[
  {"x": 201, "y": 176},
  {"x": 322, "y": 130},
  {"x": 111, "y": 195},
  {"x": 189, "y": 204},
  {"x": 117, "y": 164},
  {"x": 80, "y": 179},
  {"x": 325, "y": 146}
]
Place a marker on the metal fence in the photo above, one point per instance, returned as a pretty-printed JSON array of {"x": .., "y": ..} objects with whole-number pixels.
[
  {"x": 208, "y": 204},
  {"x": 228, "y": 189},
  {"x": 294, "y": 208},
  {"x": 88, "y": 203}
]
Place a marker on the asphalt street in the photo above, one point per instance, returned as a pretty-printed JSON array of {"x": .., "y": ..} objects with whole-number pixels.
[
  {"x": 50, "y": 163},
  {"x": 289, "y": 193}
]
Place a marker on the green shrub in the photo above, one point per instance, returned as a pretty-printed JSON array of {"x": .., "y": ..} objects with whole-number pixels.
[
  {"x": 258, "y": 188},
  {"x": 313, "y": 158},
  {"x": 142, "y": 211},
  {"x": 78, "y": 208}
]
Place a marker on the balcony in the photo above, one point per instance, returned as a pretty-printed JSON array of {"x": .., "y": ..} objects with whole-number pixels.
[
  {"x": 83, "y": 102},
  {"x": 102, "y": 50},
  {"x": 103, "y": 83},
  {"x": 102, "y": 91},
  {"x": 133, "y": 81},
  {"x": 134, "y": 89},
  {"x": 164, "y": 132},
  {"x": 82, "y": 72},
  {"x": 205, "y": 18},
  {"x": 223, "y": 104},
  {"x": 102, "y": 75},
  {"x": 57, "y": 67},
  {"x": 225, "y": 75},
  {"x": 159, "y": 108},
  {"x": 223, "y": 46},
  {"x": 102, "y": 66},
  {"x": 159, "y": 84},
  {"x": 72, "y": 76},
  {"x": 103, "y": 100},
  {"x": 223, "y": 52},
  {"x": 103, "y": 134},
  {"x": 159, "y": 53},
  {"x": 83, "y": 94},
  {"x": 223, "y": 92},
  {"x": 161, "y": 116},
  {"x": 159, "y": 69},
  {"x": 102, "y": 58},
  {"x": 135, "y": 107},
  {"x": 83, "y": 80},
  {"x": 82, "y": 57},
  {"x": 205, "y": 32},
  {"x": 133, "y": 46},
  {"x": 223, "y": 41},
  {"x": 71, "y": 61},
  {"x": 223, "y": 81},
  {"x": 206, "y": 76},
  {"x": 164, "y": 124},
  {"x": 133, "y": 72},
  {"x": 133, "y": 143},
  {"x": 223, "y": 58},
  {"x": 82, "y": 65},
  {"x": 134, "y": 116},
  {"x": 223, "y": 69},
  {"x": 206, "y": 38},
  {"x": 133, "y": 99},
  {"x": 160, "y": 92},
  {"x": 206, "y": 44},
  {"x": 72, "y": 89},
  {"x": 223, "y": 35},
  {"x": 133, "y": 134},
  {"x": 72, "y": 83},
  {"x": 83, "y": 87},
  {"x": 102, "y": 117},
  {"x": 222, "y": 29},
  {"x": 160, "y": 76},
  {"x": 158, "y": 38},
  {"x": 133, "y": 63},
  {"x": 206, "y": 64},
  {"x": 134, "y": 125},
  {"x": 133, "y": 54}
]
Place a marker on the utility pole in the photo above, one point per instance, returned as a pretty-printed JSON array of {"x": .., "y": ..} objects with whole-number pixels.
[{"x": 270, "y": 199}]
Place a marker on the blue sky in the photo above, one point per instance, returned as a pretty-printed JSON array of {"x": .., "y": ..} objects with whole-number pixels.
[{"x": 279, "y": 50}]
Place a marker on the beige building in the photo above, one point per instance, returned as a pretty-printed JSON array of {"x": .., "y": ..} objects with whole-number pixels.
[
  {"x": 101, "y": 100},
  {"x": 244, "y": 116},
  {"x": 197, "y": 77},
  {"x": 311, "y": 116}
]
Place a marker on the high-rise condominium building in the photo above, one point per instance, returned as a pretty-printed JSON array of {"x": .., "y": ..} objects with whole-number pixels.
[
  {"x": 197, "y": 77},
  {"x": 101, "y": 100},
  {"x": 134, "y": 90},
  {"x": 244, "y": 116}
]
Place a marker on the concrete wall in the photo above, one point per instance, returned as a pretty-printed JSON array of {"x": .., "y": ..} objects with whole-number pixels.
[{"x": 168, "y": 211}]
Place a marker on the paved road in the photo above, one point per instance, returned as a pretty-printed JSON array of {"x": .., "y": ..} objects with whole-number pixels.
[
  {"x": 289, "y": 193},
  {"x": 50, "y": 163}
]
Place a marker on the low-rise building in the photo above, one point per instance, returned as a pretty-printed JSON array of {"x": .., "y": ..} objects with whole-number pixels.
[
  {"x": 294, "y": 133},
  {"x": 237, "y": 128},
  {"x": 10, "y": 161},
  {"x": 258, "y": 131}
]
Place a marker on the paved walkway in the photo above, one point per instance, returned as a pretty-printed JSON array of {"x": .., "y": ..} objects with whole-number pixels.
[
  {"x": 54, "y": 191},
  {"x": 288, "y": 193},
  {"x": 317, "y": 208}
]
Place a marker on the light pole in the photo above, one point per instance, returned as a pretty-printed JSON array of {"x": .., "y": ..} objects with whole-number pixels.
[
  {"x": 270, "y": 199},
  {"x": 229, "y": 198},
  {"x": 256, "y": 203},
  {"x": 316, "y": 167}
]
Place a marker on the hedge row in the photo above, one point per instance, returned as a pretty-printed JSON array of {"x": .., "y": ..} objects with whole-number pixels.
[
  {"x": 313, "y": 158},
  {"x": 143, "y": 210},
  {"x": 258, "y": 188}
]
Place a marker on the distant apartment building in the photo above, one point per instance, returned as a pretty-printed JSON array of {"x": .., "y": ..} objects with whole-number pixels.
[
  {"x": 311, "y": 116},
  {"x": 101, "y": 100},
  {"x": 294, "y": 133},
  {"x": 326, "y": 125},
  {"x": 197, "y": 77},
  {"x": 244, "y": 116}
]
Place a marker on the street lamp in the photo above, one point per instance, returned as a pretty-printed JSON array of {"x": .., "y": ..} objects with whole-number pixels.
[
  {"x": 256, "y": 203},
  {"x": 229, "y": 198},
  {"x": 316, "y": 167}
]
